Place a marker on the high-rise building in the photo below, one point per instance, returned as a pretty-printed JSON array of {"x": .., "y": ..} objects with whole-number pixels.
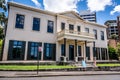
[
  {"x": 112, "y": 28},
  {"x": 89, "y": 16},
  {"x": 118, "y": 24}
]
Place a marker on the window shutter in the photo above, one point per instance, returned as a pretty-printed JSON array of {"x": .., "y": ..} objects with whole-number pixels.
[{"x": 10, "y": 50}]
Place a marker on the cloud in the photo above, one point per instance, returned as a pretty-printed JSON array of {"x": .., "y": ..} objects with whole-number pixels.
[
  {"x": 98, "y": 5},
  {"x": 36, "y": 3},
  {"x": 116, "y": 9},
  {"x": 60, "y": 5}
]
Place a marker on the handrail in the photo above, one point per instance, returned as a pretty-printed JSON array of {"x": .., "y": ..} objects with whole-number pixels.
[{"x": 66, "y": 31}]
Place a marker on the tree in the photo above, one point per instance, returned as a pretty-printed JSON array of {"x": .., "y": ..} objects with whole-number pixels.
[
  {"x": 112, "y": 53},
  {"x": 2, "y": 13},
  {"x": 114, "y": 36}
]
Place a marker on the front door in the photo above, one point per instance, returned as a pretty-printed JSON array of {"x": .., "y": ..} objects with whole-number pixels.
[{"x": 71, "y": 52}]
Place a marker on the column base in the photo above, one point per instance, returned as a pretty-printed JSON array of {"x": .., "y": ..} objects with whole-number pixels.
[{"x": 76, "y": 59}]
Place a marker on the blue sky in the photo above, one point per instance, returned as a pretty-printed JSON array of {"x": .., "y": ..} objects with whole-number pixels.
[{"x": 105, "y": 9}]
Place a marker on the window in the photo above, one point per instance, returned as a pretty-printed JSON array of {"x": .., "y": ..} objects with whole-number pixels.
[
  {"x": 102, "y": 35},
  {"x": 19, "y": 21},
  {"x": 49, "y": 51},
  {"x": 87, "y": 30},
  {"x": 104, "y": 54},
  {"x": 62, "y": 49},
  {"x": 36, "y": 24},
  {"x": 95, "y": 33},
  {"x": 71, "y": 28},
  {"x": 78, "y": 28},
  {"x": 16, "y": 50},
  {"x": 62, "y": 26},
  {"x": 33, "y": 50},
  {"x": 50, "y": 26}
]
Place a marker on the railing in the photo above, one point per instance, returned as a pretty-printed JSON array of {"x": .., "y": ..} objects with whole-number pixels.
[{"x": 76, "y": 33}]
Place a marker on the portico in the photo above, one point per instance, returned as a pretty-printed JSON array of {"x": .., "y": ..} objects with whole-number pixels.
[{"x": 73, "y": 46}]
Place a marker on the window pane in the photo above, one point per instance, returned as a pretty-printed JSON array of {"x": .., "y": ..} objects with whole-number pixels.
[
  {"x": 36, "y": 24},
  {"x": 95, "y": 33},
  {"x": 62, "y": 26},
  {"x": 87, "y": 30},
  {"x": 102, "y": 35},
  {"x": 19, "y": 21},
  {"x": 16, "y": 50},
  {"x": 78, "y": 28},
  {"x": 50, "y": 26}
]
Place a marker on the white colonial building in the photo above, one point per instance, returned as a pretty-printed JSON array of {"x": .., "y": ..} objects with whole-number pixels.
[{"x": 61, "y": 35}]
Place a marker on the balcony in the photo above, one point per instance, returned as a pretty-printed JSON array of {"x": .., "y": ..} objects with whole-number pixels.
[{"x": 75, "y": 35}]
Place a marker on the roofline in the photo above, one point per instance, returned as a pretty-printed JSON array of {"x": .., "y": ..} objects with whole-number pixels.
[{"x": 14, "y": 4}]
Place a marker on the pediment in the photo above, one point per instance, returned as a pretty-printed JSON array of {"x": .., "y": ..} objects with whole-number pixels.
[{"x": 71, "y": 14}]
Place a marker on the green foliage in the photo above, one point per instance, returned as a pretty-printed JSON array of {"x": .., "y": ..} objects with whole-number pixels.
[
  {"x": 108, "y": 64},
  {"x": 112, "y": 53},
  {"x": 33, "y": 67}
]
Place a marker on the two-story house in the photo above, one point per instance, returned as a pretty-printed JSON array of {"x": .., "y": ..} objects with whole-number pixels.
[{"x": 61, "y": 35}]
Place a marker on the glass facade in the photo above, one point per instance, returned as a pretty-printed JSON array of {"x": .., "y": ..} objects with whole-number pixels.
[
  {"x": 33, "y": 50},
  {"x": 36, "y": 24},
  {"x": 16, "y": 50},
  {"x": 50, "y": 27},
  {"x": 19, "y": 21}
]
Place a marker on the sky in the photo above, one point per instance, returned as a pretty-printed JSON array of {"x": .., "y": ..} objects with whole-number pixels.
[{"x": 105, "y": 9}]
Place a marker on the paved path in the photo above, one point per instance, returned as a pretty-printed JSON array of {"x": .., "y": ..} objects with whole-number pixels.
[
  {"x": 47, "y": 74},
  {"x": 93, "y": 77}
]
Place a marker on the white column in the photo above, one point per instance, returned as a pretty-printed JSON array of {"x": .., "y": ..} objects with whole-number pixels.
[{"x": 26, "y": 49}]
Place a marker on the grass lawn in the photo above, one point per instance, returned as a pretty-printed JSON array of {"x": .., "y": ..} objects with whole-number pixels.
[
  {"x": 108, "y": 65},
  {"x": 32, "y": 67}
]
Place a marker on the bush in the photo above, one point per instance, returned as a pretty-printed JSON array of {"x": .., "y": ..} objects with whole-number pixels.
[{"x": 112, "y": 53}]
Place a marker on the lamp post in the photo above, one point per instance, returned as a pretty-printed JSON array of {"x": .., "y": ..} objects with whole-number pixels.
[{"x": 39, "y": 52}]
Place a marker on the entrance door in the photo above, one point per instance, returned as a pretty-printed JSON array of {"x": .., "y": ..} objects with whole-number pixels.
[
  {"x": 88, "y": 52},
  {"x": 71, "y": 52}
]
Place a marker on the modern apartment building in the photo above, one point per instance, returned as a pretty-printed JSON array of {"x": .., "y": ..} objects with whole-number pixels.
[
  {"x": 118, "y": 24},
  {"x": 61, "y": 35},
  {"x": 111, "y": 28},
  {"x": 89, "y": 16}
]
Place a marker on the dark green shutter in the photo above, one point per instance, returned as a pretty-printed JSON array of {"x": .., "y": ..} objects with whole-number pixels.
[
  {"x": 23, "y": 49},
  {"x": 28, "y": 51},
  {"x": 10, "y": 50}
]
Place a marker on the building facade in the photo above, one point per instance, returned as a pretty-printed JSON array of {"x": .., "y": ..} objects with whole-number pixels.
[
  {"x": 61, "y": 35},
  {"x": 88, "y": 16},
  {"x": 111, "y": 28}
]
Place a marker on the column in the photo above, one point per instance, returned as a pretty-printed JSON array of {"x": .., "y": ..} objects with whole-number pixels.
[
  {"x": 26, "y": 48},
  {"x": 76, "y": 58},
  {"x": 85, "y": 50},
  {"x": 65, "y": 58}
]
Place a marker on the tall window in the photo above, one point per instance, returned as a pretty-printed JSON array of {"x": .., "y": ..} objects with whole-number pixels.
[
  {"x": 95, "y": 33},
  {"x": 71, "y": 28},
  {"x": 16, "y": 50},
  {"x": 62, "y": 49},
  {"x": 36, "y": 24},
  {"x": 102, "y": 35},
  {"x": 33, "y": 50},
  {"x": 62, "y": 26},
  {"x": 87, "y": 30},
  {"x": 19, "y": 21},
  {"x": 78, "y": 28},
  {"x": 50, "y": 26},
  {"x": 49, "y": 51}
]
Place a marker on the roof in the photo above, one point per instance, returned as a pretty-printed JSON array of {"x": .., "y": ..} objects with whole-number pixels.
[{"x": 49, "y": 12}]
